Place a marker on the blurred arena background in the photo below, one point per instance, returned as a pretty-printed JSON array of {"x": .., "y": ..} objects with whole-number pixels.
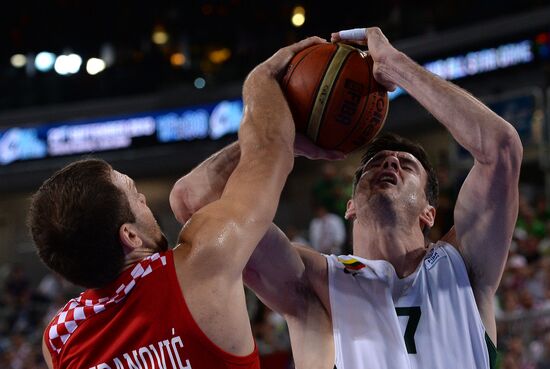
[{"x": 154, "y": 88}]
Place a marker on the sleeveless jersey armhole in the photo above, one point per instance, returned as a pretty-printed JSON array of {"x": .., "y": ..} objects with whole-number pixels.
[{"x": 207, "y": 342}]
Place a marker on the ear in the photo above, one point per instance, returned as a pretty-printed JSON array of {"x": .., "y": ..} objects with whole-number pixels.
[
  {"x": 427, "y": 217},
  {"x": 128, "y": 237},
  {"x": 350, "y": 210}
]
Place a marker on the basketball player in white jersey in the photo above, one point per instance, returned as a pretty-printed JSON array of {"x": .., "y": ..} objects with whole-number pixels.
[{"x": 399, "y": 302}]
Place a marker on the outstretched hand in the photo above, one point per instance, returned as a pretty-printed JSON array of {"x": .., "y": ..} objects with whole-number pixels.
[
  {"x": 304, "y": 147},
  {"x": 380, "y": 49},
  {"x": 277, "y": 63}
]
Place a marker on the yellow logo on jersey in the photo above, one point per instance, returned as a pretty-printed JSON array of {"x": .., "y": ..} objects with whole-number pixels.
[{"x": 351, "y": 266}]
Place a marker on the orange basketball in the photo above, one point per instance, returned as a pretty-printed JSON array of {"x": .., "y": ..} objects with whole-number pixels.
[{"x": 334, "y": 98}]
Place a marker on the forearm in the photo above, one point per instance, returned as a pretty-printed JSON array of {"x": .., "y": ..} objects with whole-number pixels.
[
  {"x": 267, "y": 127},
  {"x": 473, "y": 125},
  {"x": 205, "y": 183}
]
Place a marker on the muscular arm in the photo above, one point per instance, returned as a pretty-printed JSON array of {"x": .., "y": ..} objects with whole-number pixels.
[
  {"x": 292, "y": 280},
  {"x": 218, "y": 239},
  {"x": 204, "y": 184},
  {"x": 274, "y": 266},
  {"x": 237, "y": 221},
  {"x": 487, "y": 204}
]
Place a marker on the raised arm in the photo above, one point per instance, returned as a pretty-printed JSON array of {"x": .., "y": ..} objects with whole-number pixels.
[
  {"x": 218, "y": 239},
  {"x": 204, "y": 184},
  {"x": 236, "y": 222},
  {"x": 275, "y": 265},
  {"x": 487, "y": 204}
]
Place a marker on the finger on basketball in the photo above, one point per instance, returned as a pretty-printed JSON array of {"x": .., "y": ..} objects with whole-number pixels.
[
  {"x": 354, "y": 35},
  {"x": 305, "y": 43},
  {"x": 306, "y": 148}
]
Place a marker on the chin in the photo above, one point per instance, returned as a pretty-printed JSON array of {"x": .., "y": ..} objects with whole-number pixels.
[{"x": 382, "y": 198}]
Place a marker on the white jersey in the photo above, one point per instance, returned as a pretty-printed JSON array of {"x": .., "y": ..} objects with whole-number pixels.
[{"x": 428, "y": 320}]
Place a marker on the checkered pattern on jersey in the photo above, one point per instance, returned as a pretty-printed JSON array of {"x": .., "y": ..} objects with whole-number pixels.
[{"x": 79, "y": 309}]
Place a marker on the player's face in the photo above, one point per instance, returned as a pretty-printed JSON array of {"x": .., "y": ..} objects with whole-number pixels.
[
  {"x": 394, "y": 176},
  {"x": 147, "y": 226}
]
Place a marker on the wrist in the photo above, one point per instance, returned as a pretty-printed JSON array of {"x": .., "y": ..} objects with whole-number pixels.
[{"x": 393, "y": 66}]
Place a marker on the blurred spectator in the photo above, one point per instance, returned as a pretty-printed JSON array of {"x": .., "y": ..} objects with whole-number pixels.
[
  {"x": 526, "y": 300},
  {"x": 327, "y": 232},
  {"x": 541, "y": 208},
  {"x": 270, "y": 332},
  {"x": 19, "y": 356},
  {"x": 16, "y": 287},
  {"x": 296, "y": 235},
  {"x": 50, "y": 287},
  {"x": 544, "y": 245},
  {"x": 331, "y": 190},
  {"x": 510, "y": 302},
  {"x": 515, "y": 357},
  {"x": 514, "y": 273},
  {"x": 20, "y": 315},
  {"x": 544, "y": 361},
  {"x": 529, "y": 248},
  {"x": 528, "y": 219}
]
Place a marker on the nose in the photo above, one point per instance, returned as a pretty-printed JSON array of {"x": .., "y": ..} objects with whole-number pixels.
[{"x": 390, "y": 161}]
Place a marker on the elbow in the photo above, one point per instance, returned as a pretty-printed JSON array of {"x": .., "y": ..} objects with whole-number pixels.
[
  {"x": 179, "y": 202},
  {"x": 508, "y": 151},
  {"x": 513, "y": 148}
]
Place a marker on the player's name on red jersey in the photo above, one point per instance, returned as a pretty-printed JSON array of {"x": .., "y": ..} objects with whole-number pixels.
[{"x": 164, "y": 354}]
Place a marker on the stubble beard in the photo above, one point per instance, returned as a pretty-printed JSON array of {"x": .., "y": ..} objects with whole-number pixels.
[{"x": 383, "y": 208}]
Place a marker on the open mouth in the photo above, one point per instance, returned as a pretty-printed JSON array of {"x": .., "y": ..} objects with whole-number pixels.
[{"x": 388, "y": 178}]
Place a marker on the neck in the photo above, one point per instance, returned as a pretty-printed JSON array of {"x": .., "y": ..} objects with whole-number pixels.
[
  {"x": 401, "y": 245},
  {"x": 137, "y": 255}
]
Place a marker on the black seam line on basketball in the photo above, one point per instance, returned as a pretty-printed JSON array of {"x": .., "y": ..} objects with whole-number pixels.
[
  {"x": 365, "y": 104},
  {"x": 313, "y": 126},
  {"x": 332, "y": 88},
  {"x": 313, "y": 48},
  {"x": 329, "y": 79},
  {"x": 316, "y": 93}
]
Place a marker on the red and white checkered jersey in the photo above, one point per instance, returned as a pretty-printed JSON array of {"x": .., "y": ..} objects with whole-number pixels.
[{"x": 139, "y": 321}]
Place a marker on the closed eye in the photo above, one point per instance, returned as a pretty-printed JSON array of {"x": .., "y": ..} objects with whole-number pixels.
[{"x": 407, "y": 164}]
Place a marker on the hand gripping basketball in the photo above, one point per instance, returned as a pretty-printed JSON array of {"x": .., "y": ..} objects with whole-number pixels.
[
  {"x": 334, "y": 98},
  {"x": 380, "y": 49},
  {"x": 277, "y": 63},
  {"x": 304, "y": 147}
]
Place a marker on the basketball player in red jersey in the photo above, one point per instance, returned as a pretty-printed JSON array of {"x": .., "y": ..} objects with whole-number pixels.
[{"x": 147, "y": 307}]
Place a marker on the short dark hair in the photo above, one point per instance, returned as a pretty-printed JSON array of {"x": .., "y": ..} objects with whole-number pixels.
[
  {"x": 393, "y": 142},
  {"x": 74, "y": 219}
]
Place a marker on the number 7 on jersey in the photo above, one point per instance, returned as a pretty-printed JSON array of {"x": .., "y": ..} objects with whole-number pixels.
[{"x": 413, "y": 313}]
